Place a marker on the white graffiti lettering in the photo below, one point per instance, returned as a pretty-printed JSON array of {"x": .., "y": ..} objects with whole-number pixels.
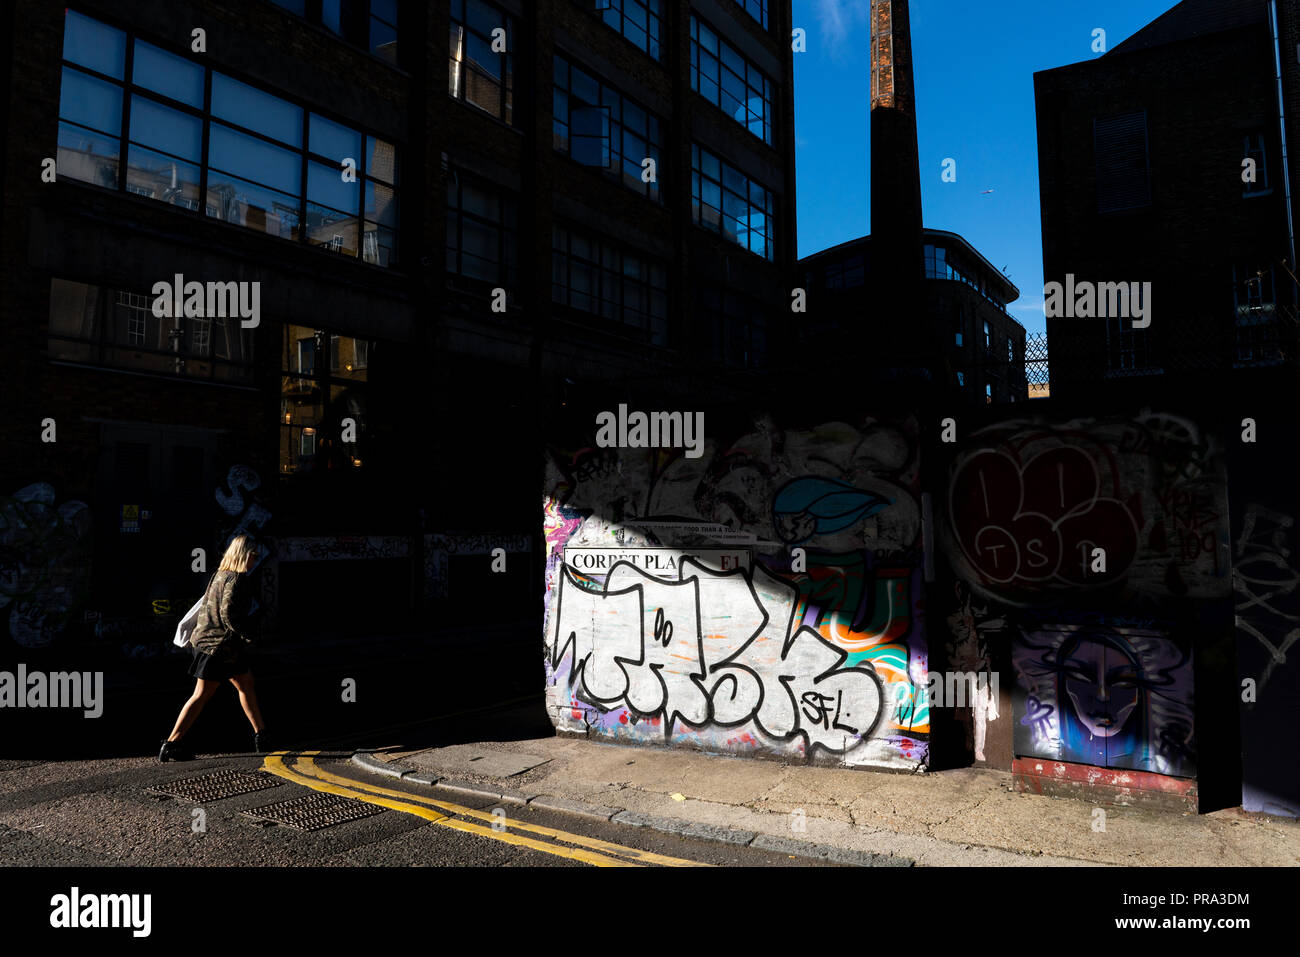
[{"x": 704, "y": 651}]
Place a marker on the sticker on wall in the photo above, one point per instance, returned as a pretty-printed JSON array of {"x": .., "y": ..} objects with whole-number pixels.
[
  {"x": 130, "y": 518},
  {"x": 654, "y": 561}
]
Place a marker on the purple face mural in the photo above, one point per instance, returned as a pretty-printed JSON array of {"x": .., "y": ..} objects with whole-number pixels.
[
  {"x": 1101, "y": 681},
  {"x": 1109, "y": 696}
]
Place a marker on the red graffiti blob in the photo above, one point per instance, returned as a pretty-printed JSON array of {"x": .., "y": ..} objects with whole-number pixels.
[{"x": 1036, "y": 526}]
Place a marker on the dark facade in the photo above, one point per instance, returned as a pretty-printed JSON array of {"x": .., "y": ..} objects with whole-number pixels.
[
  {"x": 1164, "y": 162},
  {"x": 1143, "y": 165},
  {"x": 447, "y": 243},
  {"x": 957, "y": 329}
]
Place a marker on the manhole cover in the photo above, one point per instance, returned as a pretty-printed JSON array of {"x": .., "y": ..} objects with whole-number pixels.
[
  {"x": 315, "y": 811},
  {"x": 218, "y": 785}
]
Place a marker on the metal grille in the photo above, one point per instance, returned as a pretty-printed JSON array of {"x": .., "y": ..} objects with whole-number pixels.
[
  {"x": 315, "y": 811},
  {"x": 217, "y": 786}
]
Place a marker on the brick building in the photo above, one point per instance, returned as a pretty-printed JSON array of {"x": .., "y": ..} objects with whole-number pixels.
[
  {"x": 1165, "y": 161},
  {"x": 448, "y": 242},
  {"x": 1144, "y": 159}
]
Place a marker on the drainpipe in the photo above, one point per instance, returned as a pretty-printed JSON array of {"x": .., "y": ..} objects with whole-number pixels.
[{"x": 1281, "y": 112}]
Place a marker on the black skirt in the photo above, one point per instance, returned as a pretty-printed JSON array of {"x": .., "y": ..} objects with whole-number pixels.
[{"x": 222, "y": 668}]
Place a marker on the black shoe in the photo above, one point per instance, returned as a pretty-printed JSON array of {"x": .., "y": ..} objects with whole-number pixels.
[
  {"x": 174, "y": 751},
  {"x": 260, "y": 745}
]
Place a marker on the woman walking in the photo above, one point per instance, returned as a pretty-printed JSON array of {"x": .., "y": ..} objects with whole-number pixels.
[{"x": 221, "y": 640}]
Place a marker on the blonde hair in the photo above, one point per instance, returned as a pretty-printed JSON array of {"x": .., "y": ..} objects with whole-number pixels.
[{"x": 240, "y": 555}]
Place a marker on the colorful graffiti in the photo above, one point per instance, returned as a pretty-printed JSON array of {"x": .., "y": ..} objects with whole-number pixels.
[
  {"x": 1110, "y": 696},
  {"x": 720, "y": 648},
  {"x": 1029, "y": 505},
  {"x": 44, "y": 563},
  {"x": 821, "y": 656}
]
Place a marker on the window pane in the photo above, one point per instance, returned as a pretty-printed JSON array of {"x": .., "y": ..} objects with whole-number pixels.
[
  {"x": 332, "y": 229},
  {"x": 90, "y": 102},
  {"x": 480, "y": 202},
  {"x": 584, "y": 86},
  {"x": 94, "y": 44},
  {"x": 166, "y": 73},
  {"x": 383, "y": 40},
  {"x": 331, "y": 15},
  {"x": 333, "y": 140},
  {"x": 166, "y": 129},
  {"x": 254, "y": 159},
  {"x": 88, "y": 156},
  {"x": 480, "y": 239},
  {"x": 326, "y": 187},
  {"x": 381, "y": 160},
  {"x": 379, "y": 245},
  {"x": 481, "y": 17},
  {"x": 248, "y": 204},
  {"x": 381, "y": 204},
  {"x": 156, "y": 176},
  {"x": 255, "y": 110}
]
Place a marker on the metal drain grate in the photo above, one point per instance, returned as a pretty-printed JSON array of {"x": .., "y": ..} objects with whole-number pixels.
[
  {"x": 218, "y": 785},
  {"x": 315, "y": 811}
]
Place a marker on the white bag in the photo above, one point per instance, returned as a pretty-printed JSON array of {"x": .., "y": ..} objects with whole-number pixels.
[{"x": 185, "y": 628}]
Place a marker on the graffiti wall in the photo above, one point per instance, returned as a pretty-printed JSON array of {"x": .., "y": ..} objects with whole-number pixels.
[
  {"x": 762, "y": 598},
  {"x": 1029, "y": 503},
  {"x": 1266, "y": 590},
  {"x": 1076, "y": 546},
  {"x": 44, "y": 563}
]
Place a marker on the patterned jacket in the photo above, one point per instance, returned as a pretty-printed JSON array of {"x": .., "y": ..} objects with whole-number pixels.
[{"x": 223, "y": 629}]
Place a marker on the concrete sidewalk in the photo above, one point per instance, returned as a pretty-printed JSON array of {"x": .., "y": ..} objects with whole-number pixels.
[{"x": 964, "y": 817}]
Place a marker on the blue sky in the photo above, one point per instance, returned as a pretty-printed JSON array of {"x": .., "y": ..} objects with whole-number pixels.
[{"x": 974, "y": 65}]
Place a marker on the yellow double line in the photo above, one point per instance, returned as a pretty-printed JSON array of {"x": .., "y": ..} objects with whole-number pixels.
[{"x": 589, "y": 850}]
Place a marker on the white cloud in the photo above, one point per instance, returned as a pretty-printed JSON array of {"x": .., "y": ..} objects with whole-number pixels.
[
  {"x": 837, "y": 18},
  {"x": 1030, "y": 306}
]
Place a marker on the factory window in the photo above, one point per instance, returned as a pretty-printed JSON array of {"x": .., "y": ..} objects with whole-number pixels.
[
  {"x": 726, "y": 201},
  {"x": 737, "y": 326},
  {"x": 118, "y": 328},
  {"x": 599, "y": 127},
  {"x": 756, "y": 9},
  {"x": 1128, "y": 350},
  {"x": 846, "y": 274},
  {"x": 988, "y": 337},
  {"x": 727, "y": 80},
  {"x": 640, "y": 21},
  {"x": 988, "y": 393},
  {"x": 1255, "y": 150},
  {"x": 1011, "y": 349},
  {"x": 482, "y": 232},
  {"x": 596, "y": 276},
  {"x": 1259, "y": 336},
  {"x": 314, "y": 400},
  {"x": 480, "y": 68},
  {"x": 1123, "y": 175},
  {"x": 369, "y": 24},
  {"x": 257, "y": 147}
]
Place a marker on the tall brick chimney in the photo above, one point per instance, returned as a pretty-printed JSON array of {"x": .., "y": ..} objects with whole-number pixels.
[{"x": 895, "y": 169}]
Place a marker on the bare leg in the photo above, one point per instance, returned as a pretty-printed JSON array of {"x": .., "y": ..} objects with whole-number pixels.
[
  {"x": 203, "y": 692},
  {"x": 248, "y": 700}
]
